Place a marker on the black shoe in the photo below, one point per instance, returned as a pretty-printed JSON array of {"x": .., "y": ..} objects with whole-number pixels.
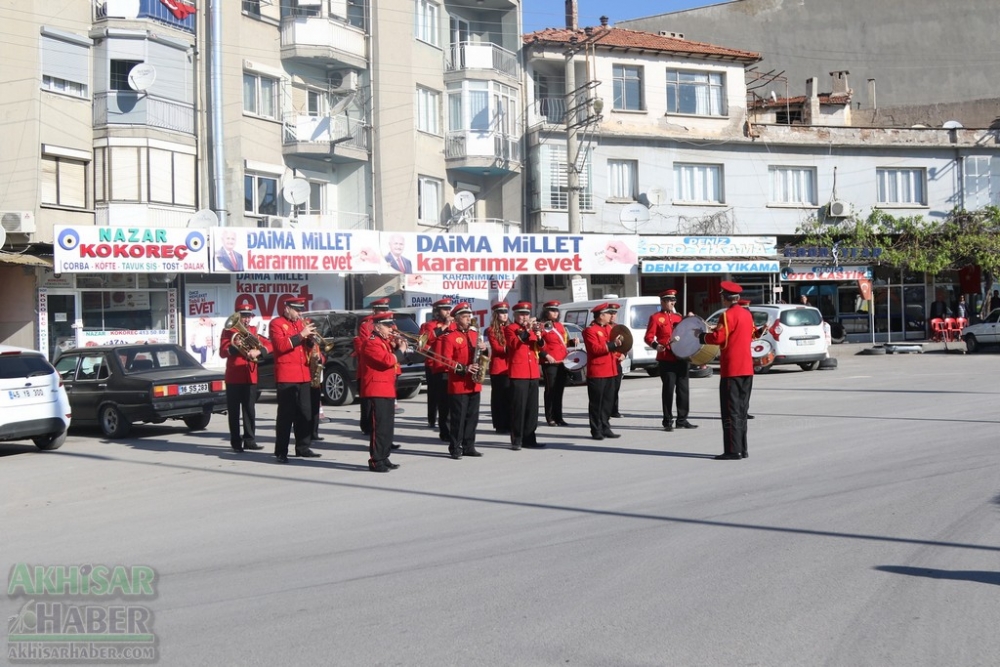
[
  {"x": 281, "y": 458},
  {"x": 378, "y": 467},
  {"x": 728, "y": 457},
  {"x": 253, "y": 446},
  {"x": 316, "y": 438},
  {"x": 455, "y": 455},
  {"x": 750, "y": 417},
  {"x": 503, "y": 431},
  {"x": 560, "y": 422},
  {"x": 609, "y": 434},
  {"x": 686, "y": 424},
  {"x": 549, "y": 422},
  {"x": 432, "y": 425},
  {"x": 444, "y": 438},
  {"x": 473, "y": 453},
  {"x": 597, "y": 437},
  {"x": 668, "y": 427},
  {"x": 616, "y": 414},
  {"x": 238, "y": 449},
  {"x": 394, "y": 446},
  {"x": 536, "y": 445},
  {"x": 744, "y": 455},
  {"x": 390, "y": 465},
  {"x": 307, "y": 454},
  {"x": 366, "y": 432},
  {"x": 515, "y": 447}
]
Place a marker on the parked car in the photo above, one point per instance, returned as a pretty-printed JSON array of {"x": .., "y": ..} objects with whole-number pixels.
[
  {"x": 796, "y": 334},
  {"x": 34, "y": 403},
  {"x": 340, "y": 373},
  {"x": 114, "y": 386},
  {"x": 575, "y": 333},
  {"x": 634, "y": 313},
  {"x": 985, "y": 333}
]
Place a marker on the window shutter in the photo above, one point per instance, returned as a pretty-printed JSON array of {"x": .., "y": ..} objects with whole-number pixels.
[
  {"x": 161, "y": 187},
  {"x": 123, "y": 181},
  {"x": 73, "y": 183},
  {"x": 184, "y": 185},
  {"x": 50, "y": 193}
]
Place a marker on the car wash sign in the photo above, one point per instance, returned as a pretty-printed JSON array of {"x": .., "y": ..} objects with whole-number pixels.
[
  {"x": 129, "y": 250},
  {"x": 697, "y": 266},
  {"x": 707, "y": 246},
  {"x": 810, "y": 273}
]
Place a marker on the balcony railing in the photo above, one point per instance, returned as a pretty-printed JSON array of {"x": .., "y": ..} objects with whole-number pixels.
[
  {"x": 334, "y": 220},
  {"x": 473, "y": 55},
  {"x": 551, "y": 109},
  {"x": 472, "y": 144},
  {"x": 143, "y": 9},
  {"x": 340, "y": 130},
  {"x": 500, "y": 226},
  {"x": 117, "y": 107},
  {"x": 329, "y": 35}
]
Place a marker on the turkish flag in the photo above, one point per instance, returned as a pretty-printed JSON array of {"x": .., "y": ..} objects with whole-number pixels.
[{"x": 180, "y": 9}]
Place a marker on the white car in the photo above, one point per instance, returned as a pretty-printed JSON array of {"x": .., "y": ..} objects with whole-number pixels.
[
  {"x": 795, "y": 334},
  {"x": 33, "y": 401},
  {"x": 984, "y": 333}
]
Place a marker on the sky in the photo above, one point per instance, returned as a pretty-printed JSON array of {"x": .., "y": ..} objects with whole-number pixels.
[{"x": 540, "y": 14}]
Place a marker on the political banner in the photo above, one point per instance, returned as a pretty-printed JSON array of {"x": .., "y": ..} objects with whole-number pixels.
[{"x": 249, "y": 249}]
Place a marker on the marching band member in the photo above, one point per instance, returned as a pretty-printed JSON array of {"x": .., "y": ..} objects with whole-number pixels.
[
  {"x": 379, "y": 384},
  {"x": 365, "y": 330},
  {"x": 601, "y": 371},
  {"x": 291, "y": 338},
  {"x": 551, "y": 358},
  {"x": 499, "y": 373},
  {"x": 523, "y": 341},
  {"x": 673, "y": 370},
  {"x": 436, "y": 375},
  {"x": 241, "y": 384},
  {"x": 463, "y": 347},
  {"x": 620, "y": 372}
]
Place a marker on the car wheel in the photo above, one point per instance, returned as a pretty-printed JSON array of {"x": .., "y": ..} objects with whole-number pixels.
[
  {"x": 113, "y": 422},
  {"x": 971, "y": 344},
  {"x": 337, "y": 388},
  {"x": 700, "y": 371},
  {"x": 653, "y": 371},
  {"x": 50, "y": 441},
  {"x": 198, "y": 422},
  {"x": 838, "y": 334},
  {"x": 828, "y": 364},
  {"x": 409, "y": 393},
  {"x": 810, "y": 366}
]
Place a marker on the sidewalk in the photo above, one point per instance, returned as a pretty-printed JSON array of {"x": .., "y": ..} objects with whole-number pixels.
[{"x": 843, "y": 350}]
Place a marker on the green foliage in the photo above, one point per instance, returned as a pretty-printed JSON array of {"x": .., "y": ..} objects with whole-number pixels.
[{"x": 964, "y": 238}]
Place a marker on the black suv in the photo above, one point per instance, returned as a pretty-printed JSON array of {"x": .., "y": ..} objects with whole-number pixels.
[{"x": 340, "y": 376}]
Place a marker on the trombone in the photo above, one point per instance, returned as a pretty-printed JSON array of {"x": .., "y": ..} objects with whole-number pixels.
[{"x": 421, "y": 348}]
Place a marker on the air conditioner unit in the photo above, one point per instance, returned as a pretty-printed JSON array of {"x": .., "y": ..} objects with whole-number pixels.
[
  {"x": 838, "y": 209},
  {"x": 18, "y": 222},
  {"x": 276, "y": 222},
  {"x": 343, "y": 80}
]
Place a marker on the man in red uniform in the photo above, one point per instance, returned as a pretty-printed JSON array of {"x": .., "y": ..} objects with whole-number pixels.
[
  {"x": 435, "y": 373},
  {"x": 673, "y": 371},
  {"x": 523, "y": 342},
  {"x": 379, "y": 384},
  {"x": 551, "y": 358},
  {"x": 463, "y": 347},
  {"x": 602, "y": 369},
  {"x": 733, "y": 335},
  {"x": 291, "y": 339},
  {"x": 365, "y": 330},
  {"x": 241, "y": 383},
  {"x": 499, "y": 373}
]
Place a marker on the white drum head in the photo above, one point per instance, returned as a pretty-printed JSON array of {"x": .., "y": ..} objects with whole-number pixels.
[
  {"x": 760, "y": 348},
  {"x": 576, "y": 360}
]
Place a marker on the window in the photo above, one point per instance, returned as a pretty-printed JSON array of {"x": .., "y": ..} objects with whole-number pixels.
[
  {"x": 428, "y": 111},
  {"x": 295, "y": 8},
  {"x": 171, "y": 177},
  {"x": 141, "y": 174},
  {"x": 554, "y": 193},
  {"x": 623, "y": 179},
  {"x": 793, "y": 185},
  {"x": 318, "y": 103},
  {"x": 697, "y": 93},
  {"x": 552, "y": 281},
  {"x": 425, "y": 21},
  {"x": 65, "y": 63},
  {"x": 698, "y": 183},
  {"x": 900, "y": 186},
  {"x": 428, "y": 200},
  {"x": 982, "y": 185},
  {"x": 260, "y": 95},
  {"x": 119, "y": 74},
  {"x": 64, "y": 182},
  {"x": 260, "y": 194},
  {"x": 252, "y": 7},
  {"x": 627, "y": 87}
]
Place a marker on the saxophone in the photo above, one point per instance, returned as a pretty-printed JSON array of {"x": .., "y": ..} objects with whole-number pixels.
[
  {"x": 484, "y": 359},
  {"x": 320, "y": 347}
]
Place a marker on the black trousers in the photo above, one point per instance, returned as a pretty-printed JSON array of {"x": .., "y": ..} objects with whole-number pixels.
[
  {"x": 734, "y": 400},
  {"x": 674, "y": 376},
  {"x": 437, "y": 402},
  {"x": 464, "y": 415},
  {"x": 618, "y": 388},
  {"x": 601, "y": 398},
  {"x": 383, "y": 429},
  {"x": 523, "y": 412},
  {"x": 366, "y": 416},
  {"x": 500, "y": 402},
  {"x": 554, "y": 376},
  {"x": 315, "y": 398},
  {"x": 241, "y": 400},
  {"x": 294, "y": 408}
]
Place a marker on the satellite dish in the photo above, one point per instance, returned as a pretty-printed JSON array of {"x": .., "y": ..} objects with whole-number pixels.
[
  {"x": 141, "y": 76},
  {"x": 464, "y": 200},
  {"x": 634, "y": 213},
  {"x": 656, "y": 196},
  {"x": 296, "y": 192},
  {"x": 3, "y": 236},
  {"x": 952, "y": 125},
  {"x": 203, "y": 219},
  {"x": 774, "y": 97}
]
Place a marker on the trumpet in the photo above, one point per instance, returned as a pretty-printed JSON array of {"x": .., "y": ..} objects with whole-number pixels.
[{"x": 243, "y": 340}]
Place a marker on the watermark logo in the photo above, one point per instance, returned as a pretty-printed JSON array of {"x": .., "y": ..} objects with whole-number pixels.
[{"x": 81, "y": 613}]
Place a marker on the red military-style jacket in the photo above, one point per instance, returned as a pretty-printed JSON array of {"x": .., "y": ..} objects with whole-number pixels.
[
  {"x": 522, "y": 355},
  {"x": 733, "y": 335},
  {"x": 555, "y": 342},
  {"x": 601, "y": 362},
  {"x": 380, "y": 368},
  {"x": 239, "y": 370},
  {"x": 435, "y": 330},
  {"x": 291, "y": 357},
  {"x": 660, "y": 331},
  {"x": 498, "y": 351},
  {"x": 460, "y": 347},
  {"x": 365, "y": 329}
]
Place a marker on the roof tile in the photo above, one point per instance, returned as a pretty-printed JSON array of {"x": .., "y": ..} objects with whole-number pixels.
[{"x": 622, "y": 38}]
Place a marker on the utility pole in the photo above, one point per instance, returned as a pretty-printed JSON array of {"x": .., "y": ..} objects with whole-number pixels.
[{"x": 572, "y": 145}]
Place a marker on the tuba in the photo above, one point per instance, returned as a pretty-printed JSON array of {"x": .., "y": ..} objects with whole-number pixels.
[{"x": 243, "y": 340}]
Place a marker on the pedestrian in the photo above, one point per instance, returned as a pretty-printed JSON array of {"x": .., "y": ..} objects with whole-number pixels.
[
  {"x": 464, "y": 348},
  {"x": 435, "y": 373},
  {"x": 674, "y": 371},
  {"x": 365, "y": 330},
  {"x": 962, "y": 309},
  {"x": 523, "y": 344},
  {"x": 379, "y": 384},
  {"x": 242, "y": 352},
  {"x": 733, "y": 335},
  {"x": 292, "y": 341},
  {"x": 551, "y": 358},
  {"x": 994, "y": 302},
  {"x": 499, "y": 372},
  {"x": 601, "y": 371}
]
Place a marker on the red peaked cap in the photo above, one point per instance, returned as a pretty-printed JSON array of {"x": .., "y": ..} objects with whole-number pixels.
[
  {"x": 501, "y": 306},
  {"x": 296, "y": 304},
  {"x": 522, "y": 307},
  {"x": 461, "y": 308},
  {"x": 443, "y": 303},
  {"x": 551, "y": 305},
  {"x": 730, "y": 288},
  {"x": 605, "y": 308},
  {"x": 380, "y": 304},
  {"x": 669, "y": 294},
  {"x": 388, "y": 317}
]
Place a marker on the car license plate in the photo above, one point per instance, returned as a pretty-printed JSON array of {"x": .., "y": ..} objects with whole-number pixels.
[
  {"x": 22, "y": 394},
  {"x": 804, "y": 342},
  {"x": 201, "y": 388}
]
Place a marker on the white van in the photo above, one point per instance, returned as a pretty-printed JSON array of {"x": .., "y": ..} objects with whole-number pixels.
[{"x": 634, "y": 313}]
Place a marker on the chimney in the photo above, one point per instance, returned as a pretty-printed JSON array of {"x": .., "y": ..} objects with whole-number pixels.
[
  {"x": 812, "y": 93},
  {"x": 571, "y": 14},
  {"x": 604, "y": 21},
  {"x": 872, "y": 100},
  {"x": 840, "y": 86}
]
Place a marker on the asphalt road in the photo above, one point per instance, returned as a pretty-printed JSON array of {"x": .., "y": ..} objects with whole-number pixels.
[{"x": 862, "y": 530}]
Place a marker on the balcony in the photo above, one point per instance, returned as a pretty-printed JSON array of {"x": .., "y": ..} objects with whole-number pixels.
[
  {"x": 485, "y": 226},
  {"x": 140, "y": 215},
  {"x": 143, "y": 9},
  {"x": 339, "y": 138},
  {"x": 118, "y": 107},
  {"x": 334, "y": 220},
  {"x": 318, "y": 40},
  {"x": 486, "y": 153},
  {"x": 480, "y": 61},
  {"x": 548, "y": 110}
]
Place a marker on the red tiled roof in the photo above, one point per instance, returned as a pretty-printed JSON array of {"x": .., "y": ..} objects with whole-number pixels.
[
  {"x": 622, "y": 38},
  {"x": 824, "y": 98}
]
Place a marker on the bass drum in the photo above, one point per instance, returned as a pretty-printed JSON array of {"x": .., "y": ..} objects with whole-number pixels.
[
  {"x": 575, "y": 360},
  {"x": 685, "y": 344},
  {"x": 762, "y": 353}
]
